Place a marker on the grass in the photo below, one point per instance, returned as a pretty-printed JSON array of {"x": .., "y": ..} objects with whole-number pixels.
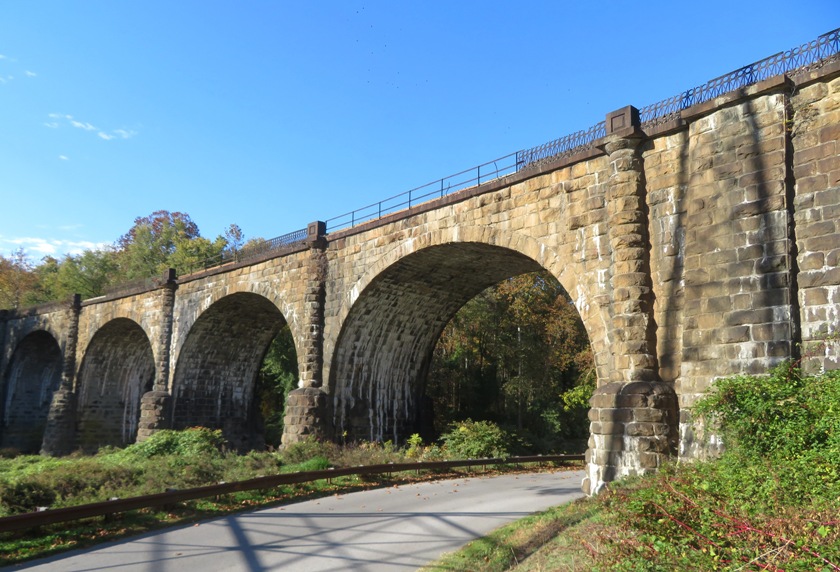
[{"x": 533, "y": 538}]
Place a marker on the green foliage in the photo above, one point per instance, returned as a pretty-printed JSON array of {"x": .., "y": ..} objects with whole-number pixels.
[
  {"x": 470, "y": 439},
  {"x": 509, "y": 355},
  {"x": 16, "y": 279},
  {"x": 304, "y": 450},
  {"x": 313, "y": 464},
  {"x": 783, "y": 427},
  {"x": 154, "y": 243},
  {"x": 165, "y": 240},
  {"x": 196, "y": 441},
  {"x": 277, "y": 377},
  {"x": 88, "y": 274},
  {"x": 770, "y": 502},
  {"x": 414, "y": 446},
  {"x": 25, "y": 496},
  {"x": 68, "y": 480}
]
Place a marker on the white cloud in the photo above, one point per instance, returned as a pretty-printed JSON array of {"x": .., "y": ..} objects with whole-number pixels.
[
  {"x": 64, "y": 157},
  {"x": 85, "y": 126},
  {"x": 2, "y": 57},
  {"x": 30, "y": 73},
  {"x": 38, "y": 247},
  {"x": 82, "y": 125}
]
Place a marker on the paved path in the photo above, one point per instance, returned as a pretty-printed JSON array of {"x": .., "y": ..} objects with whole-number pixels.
[{"x": 399, "y": 528}]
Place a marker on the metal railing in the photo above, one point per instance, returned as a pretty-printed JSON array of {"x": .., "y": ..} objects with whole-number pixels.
[
  {"x": 562, "y": 147},
  {"x": 250, "y": 251},
  {"x": 436, "y": 189},
  {"x": 68, "y": 514},
  {"x": 825, "y": 48},
  {"x": 813, "y": 54}
]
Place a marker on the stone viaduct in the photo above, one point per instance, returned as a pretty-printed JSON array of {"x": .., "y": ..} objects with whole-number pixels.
[{"x": 696, "y": 240}]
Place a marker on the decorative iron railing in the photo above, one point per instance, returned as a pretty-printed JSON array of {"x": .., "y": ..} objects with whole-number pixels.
[
  {"x": 816, "y": 53},
  {"x": 564, "y": 146}
]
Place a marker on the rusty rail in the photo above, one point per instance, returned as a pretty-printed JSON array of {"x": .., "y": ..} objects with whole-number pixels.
[{"x": 52, "y": 516}]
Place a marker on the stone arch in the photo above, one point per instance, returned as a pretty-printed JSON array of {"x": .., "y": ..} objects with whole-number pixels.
[
  {"x": 31, "y": 378},
  {"x": 190, "y": 307},
  {"x": 594, "y": 315},
  {"x": 396, "y": 312},
  {"x": 217, "y": 367},
  {"x": 117, "y": 369}
]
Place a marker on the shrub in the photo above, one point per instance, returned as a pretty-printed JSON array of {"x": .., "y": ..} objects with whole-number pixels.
[
  {"x": 770, "y": 502},
  {"x": 305, "y": 450},
  {"x": 188, "y": 442},
  {"x": 25, "y": 496},
  {"x": 313, "y": 464},
  {"x": 470, "y": 439},
  {"x": 783, "y": 413}
]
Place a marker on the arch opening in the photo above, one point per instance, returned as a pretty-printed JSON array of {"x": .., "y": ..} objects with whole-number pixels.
[
  {"x": 118, "y": 368},
  {"x": 384, "y": 354},
  {"x": 234, "y": 369},
  {"x": 33, "y": 375},
  {"x": 516, "y": 355}
]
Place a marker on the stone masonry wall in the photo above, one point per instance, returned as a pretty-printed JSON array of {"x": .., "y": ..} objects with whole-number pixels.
[
  {"x": 739, "y": 312},
  {"x": 33, "y": 367},
  {"x": 814, "y": 126},
  {"x": 664, "y": 163},
  {"x": 33, "y": 375}
]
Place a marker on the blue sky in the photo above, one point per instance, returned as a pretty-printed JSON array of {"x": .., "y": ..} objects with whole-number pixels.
[{"x": 273, "y": 114}]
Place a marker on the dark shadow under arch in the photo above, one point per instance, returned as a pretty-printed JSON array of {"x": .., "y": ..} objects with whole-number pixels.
[
  {"x": 383, "y": 353},
  {"x": 33, "y": 375},
  {"x": 218, "y": 365},
  {"x": 118, "y": 368}
]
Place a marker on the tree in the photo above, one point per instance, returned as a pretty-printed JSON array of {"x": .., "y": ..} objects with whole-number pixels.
[
  {"x": 277, "y": 377},
  {"x": 16, "y": 279},
  {"x": 512, "y": 355},
  {"x": 167, "y": 240},
  {"x": 89, "y": 273}
]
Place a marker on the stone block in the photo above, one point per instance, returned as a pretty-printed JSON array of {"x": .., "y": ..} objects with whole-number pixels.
[
  {"x": 648, "y": 415},
  {"x": 639, "y": 429}
]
